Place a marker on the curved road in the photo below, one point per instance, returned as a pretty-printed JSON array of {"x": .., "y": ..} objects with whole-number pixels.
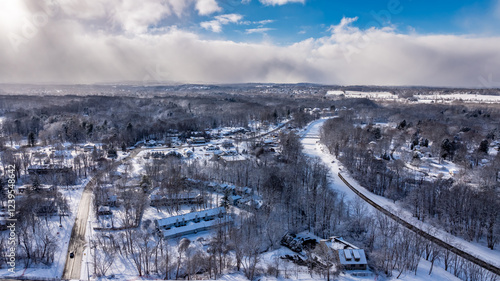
[{"x": 312, "y": 132}]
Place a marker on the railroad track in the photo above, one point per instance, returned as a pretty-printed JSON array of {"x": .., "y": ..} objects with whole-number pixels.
[{"x": 488, "y": 266}]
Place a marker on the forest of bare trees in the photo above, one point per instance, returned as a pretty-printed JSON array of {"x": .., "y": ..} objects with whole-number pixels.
[
  {"x": 375, "y": 143},
  {"x": 465, "y": 205}
]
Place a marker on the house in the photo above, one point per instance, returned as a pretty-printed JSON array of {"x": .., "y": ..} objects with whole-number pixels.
[
  {"x": 191, "y": 223},
  {"x": 268, "y": 143},
  {"x": 227, "y": 144},
  {"x": 188, "y": 152},
  {"x": 234, "y": 131},
  {"x": 182, "y": 220},
  {"x": 88, "y": 147},
  {"x": 111, "y": 201},
  {"x": 232, "y": 158},
  {"x": 234, "y": 199},
  {"x": 212, "y": 186},
  {"x": 112, "y": 153},
  {"x": 150, "y": 143},
  {"x": 230, "y": 152},
  {"x": 162, "y": 200},
  {"x": 243, "y": 191},
  {"x": 104, "y": 211},
  {"x": 196, "y": 140},
  {"x": 213, "y": 149},
  {"x": 46, "y": 207},
  {"x": 48, "y": 169},
  {"x": 353, "y": 259},
  {"x": 228, "y": 188},
  {"x": 52, "y": 174},
  {"x": 249, "y": 204},
  {"x": 315, "y": 110},
  {"x": 298, "y": 242},
  {"x": 194, "y": 228}
]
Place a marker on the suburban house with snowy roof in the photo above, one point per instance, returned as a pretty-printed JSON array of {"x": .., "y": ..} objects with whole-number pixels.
[
  {"x": 353, "y": 259},
  {"x": 350, "y": 256},
  {"x": 166, "y": 200},
  {"x": 196, "y": 140}
]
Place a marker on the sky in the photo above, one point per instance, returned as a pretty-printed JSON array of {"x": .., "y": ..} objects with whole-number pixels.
[{"x": 370, "y": 42}]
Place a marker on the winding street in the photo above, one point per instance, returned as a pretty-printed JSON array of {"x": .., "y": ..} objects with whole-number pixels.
[{"x": 344, "y": 183}]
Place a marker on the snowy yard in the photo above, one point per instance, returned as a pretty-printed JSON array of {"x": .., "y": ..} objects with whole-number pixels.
[{"x": 73, "y": 194}]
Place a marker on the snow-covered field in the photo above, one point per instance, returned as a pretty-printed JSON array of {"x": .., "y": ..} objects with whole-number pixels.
[
  {"x": 313, "y": 148},
  {"x": 358, "y": 94},
  {"x": 428, "y": 98},
  {"x": 458, "y": 97}
]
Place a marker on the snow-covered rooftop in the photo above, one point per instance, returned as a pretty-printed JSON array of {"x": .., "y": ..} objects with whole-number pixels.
[
  {"x": 352, "y": 256},
  {"x": 191, "y": 228},
  {"x": 166, "y": 222}
]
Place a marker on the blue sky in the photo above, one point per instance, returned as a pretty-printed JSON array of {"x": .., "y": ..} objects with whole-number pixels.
[
  {"x": 406, "y": 42},
  {"x": 297, "y": 21}
]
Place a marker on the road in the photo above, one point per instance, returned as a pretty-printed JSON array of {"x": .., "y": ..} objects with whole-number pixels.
[
  {"x": 310, "y": 137},
  {"x": 77, "y": 243}
]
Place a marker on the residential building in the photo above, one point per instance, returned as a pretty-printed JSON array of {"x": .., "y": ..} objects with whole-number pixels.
[{"x": 191, "y": 223}]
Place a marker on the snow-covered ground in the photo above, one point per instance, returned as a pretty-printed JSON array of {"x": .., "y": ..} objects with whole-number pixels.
[
  {"x": 290, "y": 271},
  {"x": 73, "y": 194},
  {"x": 358, "y": 94},
  {"x": 428, "y": 98},
  {"x": 313, "y": 148},
  {"x": 458, "y": 97}
]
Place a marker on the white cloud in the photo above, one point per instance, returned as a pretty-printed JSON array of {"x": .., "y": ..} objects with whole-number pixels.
[
  {"x": 344, "y": 25},
  {"x": 258, "y": 30},
  {"x": 207, "y": 7},
  {"x": 136, "y": 17},
  {"x": 280, "y": 2},
  {"x": 260, "y": 23},
  {"x": 216, "y": 24},
  {"x": 64, "y": 48},
  {"x": 264, "y": 22}
]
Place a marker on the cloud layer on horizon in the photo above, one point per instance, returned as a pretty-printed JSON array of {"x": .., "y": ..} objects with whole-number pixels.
[{"x": 112, "y": 41}]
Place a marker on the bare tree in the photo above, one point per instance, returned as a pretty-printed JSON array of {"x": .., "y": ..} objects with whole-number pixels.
[
  {"x": 181, "y": 249},
  {"x": 104, "y": 252}
]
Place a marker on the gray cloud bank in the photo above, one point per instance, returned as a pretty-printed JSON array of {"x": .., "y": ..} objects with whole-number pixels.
[{"x": 111, "y": 41}]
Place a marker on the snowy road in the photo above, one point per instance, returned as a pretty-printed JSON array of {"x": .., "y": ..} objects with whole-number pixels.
[
  {"x": 78, "y": 243},
  {"x": 310, "y": 142}
]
